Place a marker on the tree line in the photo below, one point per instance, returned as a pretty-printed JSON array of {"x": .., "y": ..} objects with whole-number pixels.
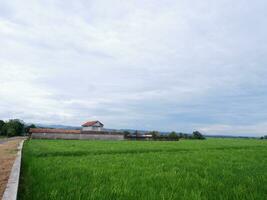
[
  {"x": 14, "y": 127},
  {"x": 174, "y": 135},
  {"x": 171, "y": 136}
]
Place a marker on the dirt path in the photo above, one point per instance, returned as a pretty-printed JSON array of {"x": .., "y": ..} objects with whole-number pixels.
[{"x": 8, "y": 151}]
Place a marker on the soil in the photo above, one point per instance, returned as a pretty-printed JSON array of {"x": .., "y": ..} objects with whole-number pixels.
[{"x": 8, "y": 151}]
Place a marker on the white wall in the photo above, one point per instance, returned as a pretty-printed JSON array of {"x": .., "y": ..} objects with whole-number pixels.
[
  {"x": 92, "y": 128},
  {"x": 72, "y": 136},
  {"x": 87, "y": 128}
]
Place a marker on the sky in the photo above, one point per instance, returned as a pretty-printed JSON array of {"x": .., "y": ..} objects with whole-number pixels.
[{"x": 165, "y": 65}]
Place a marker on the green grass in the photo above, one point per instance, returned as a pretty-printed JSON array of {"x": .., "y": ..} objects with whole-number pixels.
[{"x": 188, "y": 169}]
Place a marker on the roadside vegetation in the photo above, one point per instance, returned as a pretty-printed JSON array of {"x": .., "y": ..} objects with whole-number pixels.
[
  {"x": 188, "y": 169},
  {"x": 14, "y": 127}
]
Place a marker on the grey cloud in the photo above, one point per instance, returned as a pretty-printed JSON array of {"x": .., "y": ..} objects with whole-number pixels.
[{"x": 163, "y": 65}]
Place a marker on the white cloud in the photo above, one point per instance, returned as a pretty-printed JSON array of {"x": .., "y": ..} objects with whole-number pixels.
[
  {"x": 145, "y": 64},
  {"x": 258, "y": 129}
]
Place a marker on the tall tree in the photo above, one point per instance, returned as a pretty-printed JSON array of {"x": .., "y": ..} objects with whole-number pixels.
[{"x": 2, "y": 123}]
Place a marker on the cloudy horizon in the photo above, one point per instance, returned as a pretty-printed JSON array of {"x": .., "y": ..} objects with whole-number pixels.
[{"x": 150, "y": 65}]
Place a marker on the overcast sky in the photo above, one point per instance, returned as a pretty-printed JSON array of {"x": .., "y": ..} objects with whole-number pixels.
[{"x": 164, "y": 65}]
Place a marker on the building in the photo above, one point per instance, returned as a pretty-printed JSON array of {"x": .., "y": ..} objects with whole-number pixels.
[
  {"x": 92, "y": 126},
  {"x": 140, "y": 137},
  {"x": 92, "y": 130}
]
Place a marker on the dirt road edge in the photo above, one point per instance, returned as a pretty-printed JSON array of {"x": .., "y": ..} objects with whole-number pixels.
[{"x": 13, "y": 181}]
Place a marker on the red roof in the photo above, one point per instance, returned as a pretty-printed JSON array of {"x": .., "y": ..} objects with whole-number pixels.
[
  {"x": 91, "y": 123},
  {"x": 50, "y": 130}
]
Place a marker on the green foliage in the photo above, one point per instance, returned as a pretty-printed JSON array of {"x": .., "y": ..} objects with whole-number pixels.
[
  {"x": 173, "y": 135},
  {"x": 11, "y": 131},
  {"x": 197, "y": 135},
  {"x": 188, "y": 169},
  {"x": 2, "y": 123},
  {"x": 184, "y": 136},
  {"x": 13, "y": 127},
  {"x": 263, "y": 137}
]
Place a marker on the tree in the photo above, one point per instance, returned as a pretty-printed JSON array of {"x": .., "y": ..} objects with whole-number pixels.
[
  {"x": 197, "y": 135},
  {"x": 2, "y": 123},
  {"x": 181, "y": 135},
  {"x": 173, "y": 135},
  {"x": 11, "y": 132},
  {"x": 13, "y": 127},
  {"x": 263, "y": 137}
]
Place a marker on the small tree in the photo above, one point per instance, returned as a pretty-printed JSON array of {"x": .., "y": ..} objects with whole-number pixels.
[{"x": 197, "y": 135}]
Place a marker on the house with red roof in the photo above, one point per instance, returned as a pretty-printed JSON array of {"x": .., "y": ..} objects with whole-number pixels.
[
  {"x": 92, "y": 126},
  {"x": 91, "y": 130}
]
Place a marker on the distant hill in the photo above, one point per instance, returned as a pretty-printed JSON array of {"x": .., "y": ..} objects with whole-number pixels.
[
  {"x": 133, "y": 131},
  {"x": 228, "y": 136},
  {"x": 57, "y": 126}
]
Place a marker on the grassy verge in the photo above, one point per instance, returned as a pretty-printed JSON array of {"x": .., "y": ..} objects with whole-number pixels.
[{"x": 210, "y": 169}]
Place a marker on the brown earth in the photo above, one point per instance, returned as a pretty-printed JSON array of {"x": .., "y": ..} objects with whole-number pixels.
[{"x": 8, "y": 151}]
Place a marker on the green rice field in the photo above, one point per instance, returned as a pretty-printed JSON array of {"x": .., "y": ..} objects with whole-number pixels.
[{"x": 188, "y": 169}]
